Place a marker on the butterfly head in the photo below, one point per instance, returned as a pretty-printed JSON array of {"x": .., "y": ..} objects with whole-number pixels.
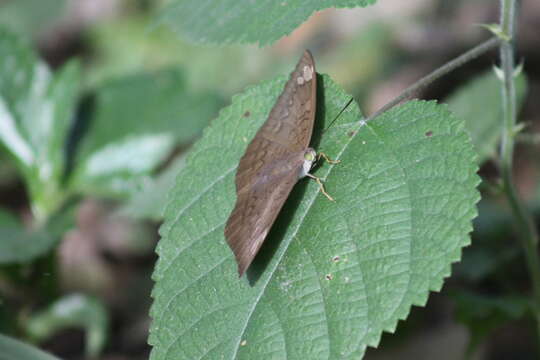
[{"x": 310, "y": 157}]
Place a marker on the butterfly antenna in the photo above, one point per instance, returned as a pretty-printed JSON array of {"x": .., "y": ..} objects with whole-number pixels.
[{"x": 338, "y": 115}]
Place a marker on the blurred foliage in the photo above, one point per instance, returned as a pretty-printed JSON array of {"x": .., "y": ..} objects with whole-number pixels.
[
  {"x": 490, "y": 251},
  {"x": 36, "y": 109},
  {"x": 135, "y": 123},
  {"x": 360, "y": 62},
  {"x": 150, "y": 202},
  {"x": 129, "y": 45},
  {"x": 12, "y": 349},
  {"x": 117, "y": 141},
  {"x": 232, "y": 21},
  {"x": 21, "y": 245},
  {"x": 30, "y": 17},
  {"x": 478, "y": 103},
  {"x": 482, "y": 313},
  {"x": 72, "y": 311}
]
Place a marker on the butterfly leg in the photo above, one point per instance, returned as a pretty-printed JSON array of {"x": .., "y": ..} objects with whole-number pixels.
[
  {"x": 328, "y": 160},
  {"x": 321, "y": 186}
]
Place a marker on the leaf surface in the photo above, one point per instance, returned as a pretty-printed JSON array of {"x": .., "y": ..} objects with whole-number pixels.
[{"x": 244, "y": 21}]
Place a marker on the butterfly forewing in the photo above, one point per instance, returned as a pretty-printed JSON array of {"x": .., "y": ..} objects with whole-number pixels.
[{"x": 272, "y": 163}]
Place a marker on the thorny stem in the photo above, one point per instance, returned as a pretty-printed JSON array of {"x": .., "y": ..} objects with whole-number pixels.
[
  {"x": 528, "y": 234},
  {"x": 440, "y": 72}
]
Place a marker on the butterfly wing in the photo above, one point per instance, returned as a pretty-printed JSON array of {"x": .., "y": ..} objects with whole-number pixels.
[
  {"x": 289, "y": 125},
  {"x": 258, "y": 206},
  {"x": 271, "y": 164},
  {"x": 290, "y": 122}
]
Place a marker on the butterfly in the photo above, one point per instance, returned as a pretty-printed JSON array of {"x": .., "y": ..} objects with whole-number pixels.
[{"x": 277, "y": 157}]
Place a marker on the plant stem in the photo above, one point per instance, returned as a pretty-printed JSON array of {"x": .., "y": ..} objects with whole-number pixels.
[
  {"x": 440, "y": 72},
  {"x": 528, "y": 234}
]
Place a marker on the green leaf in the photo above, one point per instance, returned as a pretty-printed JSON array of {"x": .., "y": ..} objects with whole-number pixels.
[
  {"x": 228, "y": 21},
  {"x": 70, "y": 311},
  {"x": 20, "y": 245},
  {"x": 479, "y": 103},
  {"x": 137, "y": 121},
  {"x": 36, "y": 109},
  {"x": 332, "y": 276},
  {"x": 13, "y": 349},
  {"x": 150, "y": 202}
]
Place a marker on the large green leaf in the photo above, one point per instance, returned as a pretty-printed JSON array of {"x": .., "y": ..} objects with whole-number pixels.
[
  {"x": 331, "y": 276},
  {"x": 36, "y": 109},
  {"x": 479, "y": 103},
  {"x": 137, "y": 121},
  {"x": 11, "y": 349},
  {"x": 244, "y": 21}
]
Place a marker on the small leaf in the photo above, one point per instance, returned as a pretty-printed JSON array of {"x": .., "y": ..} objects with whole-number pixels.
[
  {"x": 479, "y": 103},
  {"x": 496, "y": 30},
  {"x": 20, "y": 245},
  {"x": 331, "y": 276},
  {"x": 36, "y": 110},
  {"x": 150, "y": 202},
  {"x": 229, "y": 21},
  {"x": 70, "y": 311},
  {"x": 15, "y": 349},
  {"x": 137, "y": 121}
]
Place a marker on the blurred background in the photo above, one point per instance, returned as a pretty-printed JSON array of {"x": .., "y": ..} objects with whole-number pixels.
[{"x": 87, "y": 292}]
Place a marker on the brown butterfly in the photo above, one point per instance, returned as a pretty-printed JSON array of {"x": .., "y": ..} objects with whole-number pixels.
[{"x": 277, "y": 157}]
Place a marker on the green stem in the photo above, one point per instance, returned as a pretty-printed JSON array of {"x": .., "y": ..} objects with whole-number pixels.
[
  {"x": 438, "y": 73},
  {"x": 528, "y": 234}
]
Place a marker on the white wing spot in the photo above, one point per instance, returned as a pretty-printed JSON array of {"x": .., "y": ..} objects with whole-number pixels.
[
  {"x": 300, "y": 80},
  {"x": 308, "y": 73}
]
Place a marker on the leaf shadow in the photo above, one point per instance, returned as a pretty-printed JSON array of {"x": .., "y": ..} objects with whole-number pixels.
[
  {"x": 79, "y": 129},
  {"x": 279, "y": 228}
]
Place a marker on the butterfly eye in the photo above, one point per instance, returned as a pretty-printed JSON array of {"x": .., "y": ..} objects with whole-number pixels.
[{"x": 310, "y": 155}]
